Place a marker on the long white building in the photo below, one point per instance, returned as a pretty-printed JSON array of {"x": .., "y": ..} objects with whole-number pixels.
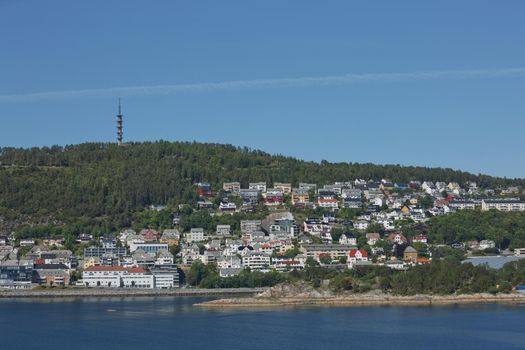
[
  {"x": 503, "y": 204},
  {"x": 116, "y": 276},
  {"x": 128, "y": 277},
  {"x": 256, "y": 261}
]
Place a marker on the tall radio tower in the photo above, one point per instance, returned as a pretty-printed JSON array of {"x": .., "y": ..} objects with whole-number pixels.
[{"x": 120, "y": 133}]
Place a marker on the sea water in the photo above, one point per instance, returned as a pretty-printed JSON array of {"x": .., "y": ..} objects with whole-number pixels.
[{"x": 174, "y": 323}]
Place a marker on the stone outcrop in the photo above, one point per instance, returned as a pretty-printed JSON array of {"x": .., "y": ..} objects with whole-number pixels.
[{"x": 297, "y": 295}]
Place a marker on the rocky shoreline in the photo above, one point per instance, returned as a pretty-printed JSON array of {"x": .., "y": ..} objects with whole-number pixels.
[
  {"x": 120, "y": 292},
  {"x": 363, "y": 300},
  {"x": 303, "y": 295}
]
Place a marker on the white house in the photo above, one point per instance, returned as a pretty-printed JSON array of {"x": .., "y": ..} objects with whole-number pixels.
[
  {"x": 355, "y": 255},
  {"x": 259, "y": 186},
  {"x": 230, "y": 261},
  {"x": 372, "y": 238},
  {"x": 250, "y": 225},
  {"x": 347, "y": 238},
  {"x": 420, "y": 239},
  {"x": 223, "y": 230},
  {"x": 519, "y": 252},
  {"x": 428, "y": 187},
  {"x": 486, "y": 244},
  {"x": 361, "y": 225},
  {"x": 377, "y": 201},
  {"x": 256, "y": 260},
  {"x": 195, "y": 235},
  {"x": 164, "y": 257}
]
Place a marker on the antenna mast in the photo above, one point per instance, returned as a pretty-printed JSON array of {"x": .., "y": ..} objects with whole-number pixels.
[{"x": 120, "y": 133}]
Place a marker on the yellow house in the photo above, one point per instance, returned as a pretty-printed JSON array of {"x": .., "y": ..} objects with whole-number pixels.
[
  {"x": 300, "y": 196},
  {"x": 405, "y": 210},
  {"x": 170, "y": 237},
  {"x": 90, "y": 262},
  {"x": 285, "y": 187},
  {"x": 169, "y": 241},
  {"x": 410, "y": 254},
  {"x": 285, "y": 247}
]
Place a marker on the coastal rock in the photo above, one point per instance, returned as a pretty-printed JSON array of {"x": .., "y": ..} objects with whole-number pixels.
[{"x": 295, "y": 290}]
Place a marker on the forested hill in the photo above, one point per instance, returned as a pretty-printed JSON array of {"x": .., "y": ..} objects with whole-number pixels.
[{"x": 101, "y": 179}]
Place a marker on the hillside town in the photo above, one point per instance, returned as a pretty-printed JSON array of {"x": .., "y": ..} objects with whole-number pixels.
[{"x": 342, "y": 225}]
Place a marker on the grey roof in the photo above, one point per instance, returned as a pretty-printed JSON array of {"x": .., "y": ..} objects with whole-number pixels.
[
  {"x": 165, "y": 253},
  {"x": 51, "y": 267},
  {"x": 231, "y": 270},
  {"x": 410, "y": 249}
]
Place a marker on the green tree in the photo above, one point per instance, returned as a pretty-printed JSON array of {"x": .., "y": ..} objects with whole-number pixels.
[
  {"x": 199, "y": 272},
  {"x": 325, "y": 259}
]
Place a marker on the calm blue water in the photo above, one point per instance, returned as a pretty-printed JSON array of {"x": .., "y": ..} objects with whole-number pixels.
[{"x": 172, "y": 323}]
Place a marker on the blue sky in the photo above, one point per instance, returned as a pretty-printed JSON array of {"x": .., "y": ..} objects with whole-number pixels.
[{"x": 437, "y": 83}]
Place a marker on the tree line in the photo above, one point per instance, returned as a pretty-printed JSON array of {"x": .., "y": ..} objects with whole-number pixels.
[
  {"x": 110, "y": 184},
  {"x": 441, "y": 277}
]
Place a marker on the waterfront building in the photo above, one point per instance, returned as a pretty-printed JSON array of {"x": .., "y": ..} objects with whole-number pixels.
[
  {"x": 165, "y": 277},
  {"x": 16, "y": 274},
  {"x": 51, "y": 274},
  {"x": 116, "y": 276}
]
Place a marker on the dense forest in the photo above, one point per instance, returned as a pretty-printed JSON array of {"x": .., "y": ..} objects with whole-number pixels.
[{"x": 107, "y": 183}]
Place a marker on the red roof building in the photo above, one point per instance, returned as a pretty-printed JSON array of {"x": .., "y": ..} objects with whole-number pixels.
[
  {"x": 358, "y": 253},
  {"x": 150, "y": 235},
  {"x": 396, "y": 237}
]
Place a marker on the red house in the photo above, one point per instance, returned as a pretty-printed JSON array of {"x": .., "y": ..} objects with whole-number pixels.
[
  {"x": 397, "y": 238},
  {"x": 150, "y": 235},
  {"x": 355, "y": 255},
  {"x": 274, "y": 200},
  {"x": 204, "y": 190}
]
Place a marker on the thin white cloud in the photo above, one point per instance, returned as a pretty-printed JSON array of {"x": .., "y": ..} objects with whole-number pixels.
[{"x": 265, "y": 83}]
